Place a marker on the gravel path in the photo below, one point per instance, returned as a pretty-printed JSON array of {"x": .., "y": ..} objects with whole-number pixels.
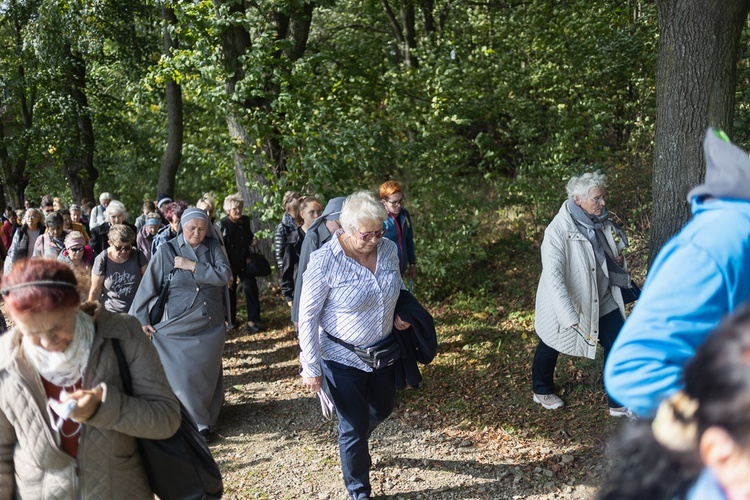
[{"x": 272, "y": 442}]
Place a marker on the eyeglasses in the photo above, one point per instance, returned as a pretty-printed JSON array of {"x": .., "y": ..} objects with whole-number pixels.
[
  {"x": 598, "y": 200},
  {"x": 75, "y": 249},
  {"x": 371, "y": 235},
  {"x": 399, "y": 202},
  {"x": 123, "y": 248}
]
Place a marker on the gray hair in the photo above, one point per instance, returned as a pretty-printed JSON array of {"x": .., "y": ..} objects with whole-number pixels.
[
  {"x": 580, "y": 187},
  {"x": 115, "y": 207},
  {"x": 105, "y": 196},
  {"x": 233, "y": 201},
  {"x": 362, "y": 207}
]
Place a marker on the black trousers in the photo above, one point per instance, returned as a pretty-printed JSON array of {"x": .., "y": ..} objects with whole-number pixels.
[
  {"x": 545, "y": 357},
  {"x": 252, "y": 300}
]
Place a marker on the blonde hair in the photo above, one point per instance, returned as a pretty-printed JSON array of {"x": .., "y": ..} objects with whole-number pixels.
[
  {"x": 121, "y": 233},
  {"x": 233, "y": 201}
]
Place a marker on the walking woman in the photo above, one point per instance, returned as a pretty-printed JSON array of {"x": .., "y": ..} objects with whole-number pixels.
[
  {"x": 350, "y": 290},
  {"x": 24, "y": 239},
  {"x": 118, "y": 270},
  {"x": 190, "y": 335},
  {"x": 55, "y": 353},
  {"x": 579, "y": 301}
]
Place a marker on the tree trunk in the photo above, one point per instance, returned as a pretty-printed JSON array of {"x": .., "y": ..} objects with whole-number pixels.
[
  {"x": 78, "y": 163},
  {"x": 695, "y": 85},
  {"x": 172, "y": 156},
  {"x": 13, "y": 171}
]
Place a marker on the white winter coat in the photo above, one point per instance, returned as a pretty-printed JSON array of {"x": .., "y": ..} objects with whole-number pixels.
[{"x": 567, "y": 294}]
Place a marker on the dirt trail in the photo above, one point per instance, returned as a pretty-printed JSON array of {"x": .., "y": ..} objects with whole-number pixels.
[{"x": 272, "y": 442}]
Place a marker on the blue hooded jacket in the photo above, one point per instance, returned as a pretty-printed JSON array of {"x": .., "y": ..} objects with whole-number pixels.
[{"x": 701, "y": 275}]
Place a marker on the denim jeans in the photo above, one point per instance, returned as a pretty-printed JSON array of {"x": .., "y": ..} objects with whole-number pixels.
[
  {"x": 545, "y": 357},
  {"x": 363, "y": 400}
]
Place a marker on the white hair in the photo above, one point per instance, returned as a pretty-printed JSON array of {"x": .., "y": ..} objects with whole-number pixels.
[
  {"x": 115, "y": 207},
  {"x": 105, "y": 196},
  {"x": 580, "y": 187},
  {"x": 362, "y": 207}
]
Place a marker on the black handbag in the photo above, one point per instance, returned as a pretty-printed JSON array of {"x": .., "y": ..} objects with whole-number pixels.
[
  {"x": 379, "y": 355},
  {"x": 157, "y": 311},
  {"x": 630, "y": 295},
  {"x": 257, "y": 265},
  {"x": 179, "y": 467}
]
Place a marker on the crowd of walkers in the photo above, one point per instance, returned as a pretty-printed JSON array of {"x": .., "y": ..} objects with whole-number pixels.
[
  {"x": 678, "y": 366},
  {"x": 77, "y": 277}
]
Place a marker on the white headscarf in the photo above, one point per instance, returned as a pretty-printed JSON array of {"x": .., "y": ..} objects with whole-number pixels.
[{"x": 64, "y": 368}]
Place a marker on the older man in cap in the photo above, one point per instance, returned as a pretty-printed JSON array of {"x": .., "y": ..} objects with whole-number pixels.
[{"x": 318, "y": 234}]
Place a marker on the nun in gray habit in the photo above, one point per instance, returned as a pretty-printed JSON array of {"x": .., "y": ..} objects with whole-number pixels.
[{"x": 190, "y": 336}]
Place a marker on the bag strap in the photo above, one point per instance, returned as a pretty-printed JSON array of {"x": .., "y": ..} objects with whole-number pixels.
[
  {"x": 344, "y": 343},
  {"x": 122, "y": 364}
]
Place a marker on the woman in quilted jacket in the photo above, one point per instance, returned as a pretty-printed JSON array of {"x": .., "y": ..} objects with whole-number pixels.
[
  {"x": 579, "y": 301},
  {"x": 67, "y": 429}
]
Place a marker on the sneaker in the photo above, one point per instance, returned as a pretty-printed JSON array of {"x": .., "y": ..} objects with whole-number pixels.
[
  {"x": 549, "y": 401},
  {"x": 252, "y": 328},
  {"x": 621, "y": 412}
]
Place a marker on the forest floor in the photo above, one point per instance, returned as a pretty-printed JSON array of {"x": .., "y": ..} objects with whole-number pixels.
[{"x": 471, "y": 431}]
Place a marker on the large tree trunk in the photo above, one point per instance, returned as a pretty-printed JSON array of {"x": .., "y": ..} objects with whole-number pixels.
[
  {"x": 695, "y": 85},
  {"x": 78, "y": 163},
  {"x": 170, "y": 161},
  {"x": 13, "y": 170}
]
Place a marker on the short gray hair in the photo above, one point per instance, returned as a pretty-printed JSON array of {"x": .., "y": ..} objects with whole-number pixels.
[
  {"x": 233, "y": 201},
  {"x": 115, "y": 207},
  {"x": 581, "y": 186},
  {"x": 105, "y": 196},
  {"x": 362, "y": 207}
]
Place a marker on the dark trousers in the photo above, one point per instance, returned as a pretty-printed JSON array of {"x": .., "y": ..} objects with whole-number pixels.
[
  {"x": 252, "y": 300},
  {"x": 545, "y": 357},
  {"x": 363, "y": 400}
]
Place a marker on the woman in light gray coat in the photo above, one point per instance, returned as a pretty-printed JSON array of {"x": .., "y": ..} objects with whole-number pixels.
[
  {"x": 190, "y": 335},
  {"x": 58, "y": 353},
  {"x": 579, "y": 300}
]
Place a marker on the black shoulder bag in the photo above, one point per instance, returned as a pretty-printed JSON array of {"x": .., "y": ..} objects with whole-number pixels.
[
  {"x": 157, "y": 311},
  {"x": 179, "y": 467}
]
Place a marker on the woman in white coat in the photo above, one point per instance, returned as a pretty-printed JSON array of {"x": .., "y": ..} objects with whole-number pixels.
[{"x": 579, "y": 300}]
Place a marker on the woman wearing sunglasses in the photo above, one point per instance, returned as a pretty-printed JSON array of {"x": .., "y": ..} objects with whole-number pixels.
[
  {"x": 349, "y": 291},
  {"x": 117, "y": 271},
  {"x": 77, "y": 253}
]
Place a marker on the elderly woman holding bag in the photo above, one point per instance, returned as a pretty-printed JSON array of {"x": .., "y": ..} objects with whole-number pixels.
[
  {"x": 349, "y": 292},
  {"x": 67, "y": 428},
  {"x": 190, "y": 335}
]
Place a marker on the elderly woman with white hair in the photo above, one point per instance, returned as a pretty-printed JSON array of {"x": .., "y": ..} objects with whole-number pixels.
[
  {"x": 189, "y": 334},
  {"x": 116, "y": 214},
  {"x": 579, "y": 300},
  {"x": 99, "y": 213},
  {"x": 350, "y": 290}
]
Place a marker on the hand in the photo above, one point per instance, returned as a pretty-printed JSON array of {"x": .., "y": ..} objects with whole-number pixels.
[
  {"x": 619, "y": 260},
  {"x": 312, "y": 383},
  {"x": 183, "y": 263},
  {"x": 400, "y": 324},
  {"x": 290, "y": 303},
  {"x": 411, "y": 271},
  {"x": 88, "y": 403},
  {"x": 148, "y": 330}
]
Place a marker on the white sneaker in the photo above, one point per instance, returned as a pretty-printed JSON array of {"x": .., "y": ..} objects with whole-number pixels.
[
  {"x": 621, "y": 412},
  {"x": 549, "y": 401}
]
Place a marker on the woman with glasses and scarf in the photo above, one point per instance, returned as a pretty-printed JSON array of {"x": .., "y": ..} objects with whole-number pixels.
[
  {"x": 579, "y": 300},
  {"x": 67, "y": 428},
  {"x": 349, "y": 292},
  {"x": 190, "y": 334},
  {"x": 52, "y": 242},
  {"x": 117, "y": 271}
]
